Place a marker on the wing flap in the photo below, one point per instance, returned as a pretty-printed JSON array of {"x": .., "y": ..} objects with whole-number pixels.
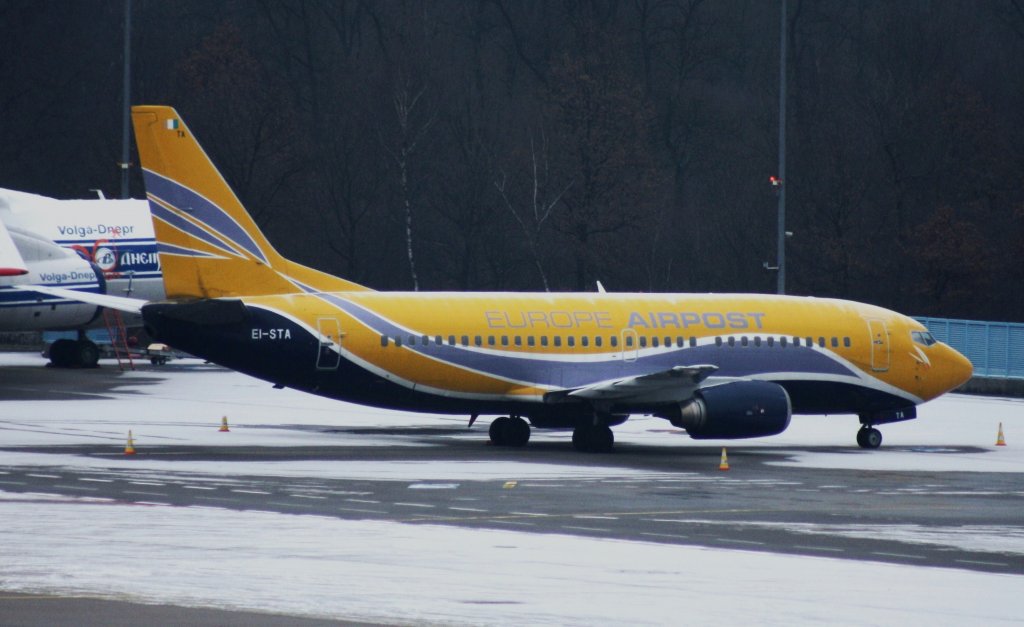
[{"x": 673, "y": 385}]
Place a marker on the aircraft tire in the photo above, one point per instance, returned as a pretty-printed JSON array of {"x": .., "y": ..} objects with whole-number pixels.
[
  {"x": 62, "y": 353},
  {"x": 515, "y": 432},
  {"x": 602, "y": 440},
  {"x": 593, "y": 439},
  {"x": 86, "y": 354},
  {"x": 497, "y": 430},
  {"x": 869, "y": 438}
]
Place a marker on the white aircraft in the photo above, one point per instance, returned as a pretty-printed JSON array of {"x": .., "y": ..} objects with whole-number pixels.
[{"x": 101, "y": 246}]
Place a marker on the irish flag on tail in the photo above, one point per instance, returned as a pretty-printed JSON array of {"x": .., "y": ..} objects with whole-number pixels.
[{"x": 172, "y": 124}]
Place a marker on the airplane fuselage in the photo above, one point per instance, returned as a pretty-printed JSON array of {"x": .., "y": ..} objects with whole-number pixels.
[{"x": 505, "y": 353}]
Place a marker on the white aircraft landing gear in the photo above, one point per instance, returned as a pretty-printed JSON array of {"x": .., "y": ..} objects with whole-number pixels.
[
  {"x": 509, "y": 431},
  {"x": 869, "y": 437},
  {"x": 591, "y": 438},
  {"x": 82, "y": 353}
]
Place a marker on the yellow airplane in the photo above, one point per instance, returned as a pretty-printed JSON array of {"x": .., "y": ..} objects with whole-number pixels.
[{"x": 717, "y": 365}]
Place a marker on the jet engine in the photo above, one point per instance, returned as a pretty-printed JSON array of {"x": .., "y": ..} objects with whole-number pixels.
[
  {"x": 48, "y": 264},
  {"x": 742, "y": 409}
]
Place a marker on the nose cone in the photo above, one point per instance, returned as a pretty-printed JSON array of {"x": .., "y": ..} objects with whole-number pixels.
[{"x": 954, "y": 370}]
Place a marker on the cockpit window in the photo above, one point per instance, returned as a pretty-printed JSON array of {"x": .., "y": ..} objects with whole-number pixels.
[{"x": 922, "y": 337}]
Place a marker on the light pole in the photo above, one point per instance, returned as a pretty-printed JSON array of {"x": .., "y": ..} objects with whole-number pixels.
[
  {"x": 781, "y": 181},
  {"x": 126, "y": 94}
]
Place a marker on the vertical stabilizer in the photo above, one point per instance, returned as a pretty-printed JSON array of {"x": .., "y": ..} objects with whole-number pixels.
[{"x": 209, "y": 244}]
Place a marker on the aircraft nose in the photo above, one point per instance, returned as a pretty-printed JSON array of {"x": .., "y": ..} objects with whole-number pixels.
[{"x": 958, "y": 369}]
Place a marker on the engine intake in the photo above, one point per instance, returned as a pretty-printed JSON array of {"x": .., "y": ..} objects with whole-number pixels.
[{"x": 743, "y": 409}]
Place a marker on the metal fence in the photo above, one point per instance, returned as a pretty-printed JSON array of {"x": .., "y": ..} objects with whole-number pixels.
[{"x": 995, "y": 348}]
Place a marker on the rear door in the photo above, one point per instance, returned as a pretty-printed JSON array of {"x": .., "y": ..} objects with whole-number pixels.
[{"x": 329, "y": 350}]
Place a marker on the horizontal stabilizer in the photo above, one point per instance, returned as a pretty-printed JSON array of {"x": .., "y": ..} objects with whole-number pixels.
[
  {"x": 121, "y": 303},
  {"x": 674, "y": 385},
  {"x": 201, "y": 312}
]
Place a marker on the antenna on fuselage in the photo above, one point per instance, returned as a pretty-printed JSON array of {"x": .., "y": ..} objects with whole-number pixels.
[{"x": 600, "y": 288}]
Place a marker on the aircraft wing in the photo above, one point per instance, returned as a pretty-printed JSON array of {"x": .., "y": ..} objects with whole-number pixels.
[
  {"x": 121, "y": 303},
  {"x": 11, "y": 263},
  {"x": 674, "y": 385}
]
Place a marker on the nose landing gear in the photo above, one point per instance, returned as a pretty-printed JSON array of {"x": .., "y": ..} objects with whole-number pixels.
[{"x": 869, "y": 437}]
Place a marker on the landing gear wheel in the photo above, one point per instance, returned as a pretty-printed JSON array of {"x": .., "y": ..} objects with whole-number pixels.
[
  {"x": 516, "y": 432},
  {"x": 62, "y": 353},
  {"x": 87, "y": 354},
  {"x": 593, "y": 439},
  {"x": 869, "y": 438},
  {"x": 497, "y": 430}
]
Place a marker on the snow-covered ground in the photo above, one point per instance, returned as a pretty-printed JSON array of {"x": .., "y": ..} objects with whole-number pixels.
[{"x": 416, "y": 574}]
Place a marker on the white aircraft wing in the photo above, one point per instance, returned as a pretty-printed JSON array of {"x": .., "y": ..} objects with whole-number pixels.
[
  {"x": 121, "y": 303},
  {"x": 674, "y": 385},
  {"x": 11, "y": 263}
]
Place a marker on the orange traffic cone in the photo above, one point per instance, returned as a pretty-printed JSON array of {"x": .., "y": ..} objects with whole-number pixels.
[
  {"x": 129, "y": 448},
  {"x": 1000, "y": 440},
  {"x": 224, "y": 424},
  {"x": 724, "y": 464}
]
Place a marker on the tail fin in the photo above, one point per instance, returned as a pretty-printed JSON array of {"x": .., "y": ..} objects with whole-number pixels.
[{"x": 209, "y": 244}]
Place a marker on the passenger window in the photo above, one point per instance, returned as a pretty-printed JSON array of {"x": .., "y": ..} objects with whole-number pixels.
[
  {"x": 654, "y": 341},
  {"x": 782, "y": 341},
  {"x": 732, "y": 342},
  {"x": 810, "y": 342},
  {"x": 835, "y": 342},
  {"x": 743, "y": 340},
  {"x": 597, "y": 341},
  {"x": 465, "y": 340},
  {"x": 821, "y": 342},
  {"x": 643, "y": 342},
  {"x": 693, "y": 342},
  {"x": 757, "y": 340},
  {"x": 718, "y": 341},
  {"x": 425, "y": 340},
  {"x": 846, "y": 342},
  {"x": 629, "y": 341},
  {"x": 531, "y": 341},
  {"x": 796, "y": 341},
  {"x": 398, "y": 340},
  {"x": 558, "y": 340},
  {"x": 490, "y": 340},
  {"x": 518, "y": 340},
  {"x": 543, "y": 340},
  {"x": 585, "y": 340},
  {"x": 614, "y": 341},
  {"x": 504, "y": 340},
  {"x": 571, "y": 340},
  {"x": 478, "y": 340},
  {"x": 451, "y": 340},
  {"x": 383, "y": 340},
  {"x": 680, "y": 342}
]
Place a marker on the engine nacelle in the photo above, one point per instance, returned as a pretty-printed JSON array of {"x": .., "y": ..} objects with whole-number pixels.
[
  {"x": 743, "y": 409},
  {"x": 48, "y": 264}
]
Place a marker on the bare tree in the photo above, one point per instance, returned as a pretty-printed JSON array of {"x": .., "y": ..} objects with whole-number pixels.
[
  {"x": 412, "y": 126},
  {"x": 542, "y": 198}
]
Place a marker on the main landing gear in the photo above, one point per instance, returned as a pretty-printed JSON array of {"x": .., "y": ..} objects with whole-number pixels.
[
  {"x": 869, "y": 437},
  {"x": 591, "y": 438},
  {"x": 82, "y": 353},
  {"x": 509, "y": 431}
]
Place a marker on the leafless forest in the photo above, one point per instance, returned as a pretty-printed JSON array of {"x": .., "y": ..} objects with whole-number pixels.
[{"x": 531, "y": 145}]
